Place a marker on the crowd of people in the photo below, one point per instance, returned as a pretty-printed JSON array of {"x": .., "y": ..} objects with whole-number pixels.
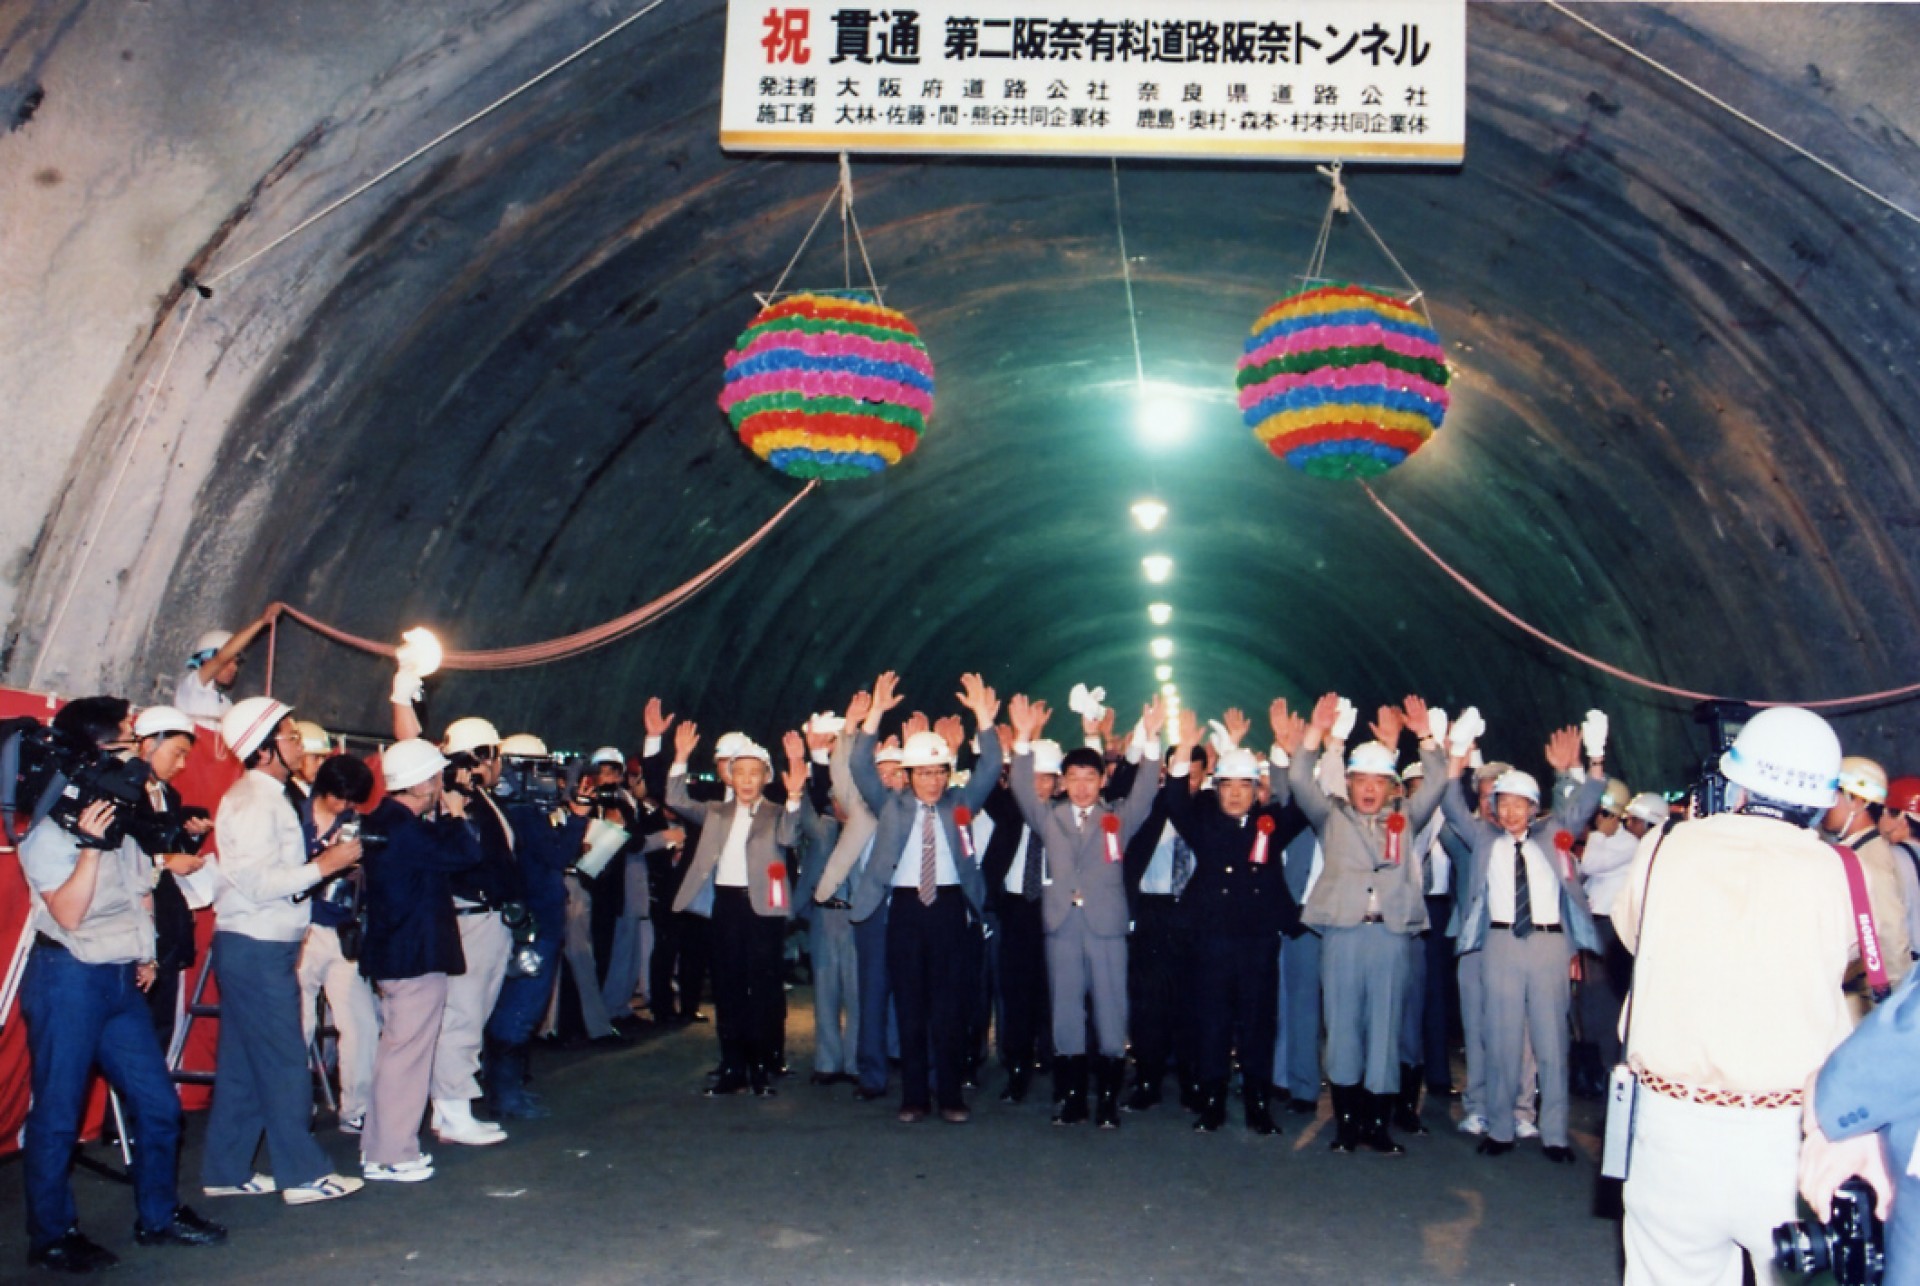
[{"x": 1102, "y": 912}]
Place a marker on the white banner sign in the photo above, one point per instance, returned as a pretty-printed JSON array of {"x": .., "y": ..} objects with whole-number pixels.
[{"x": 1356, "y": 80}]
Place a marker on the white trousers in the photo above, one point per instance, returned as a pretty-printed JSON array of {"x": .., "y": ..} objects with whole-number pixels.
[
  {"x": 355, "y": 1016},
  {"x": 1704, "y": 1182},
  {"x": 485, "y": 941}
]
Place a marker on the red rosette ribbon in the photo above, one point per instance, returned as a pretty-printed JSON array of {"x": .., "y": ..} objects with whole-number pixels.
[
  {"x": 1396, "y": 827},
  {"x": 963, "y": 818},
  {"x": 1563, "y": 842},
  {"x": 1111, "y": 825},
  {"x": 777, "y": 885},
  {"x": 1263, "y": 829}
]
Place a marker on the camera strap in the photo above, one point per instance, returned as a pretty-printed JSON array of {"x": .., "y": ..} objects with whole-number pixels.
[
  {"x": 1876, "y": 967},
  {"x": 1639, "y": 929},
  {"x": 1623, "y": 1085}
]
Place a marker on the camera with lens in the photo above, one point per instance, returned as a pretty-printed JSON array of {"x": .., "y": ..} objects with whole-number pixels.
[
  {"x": 45, "y": 773},
  {"x": 524, "y": 960},
  {"x": 1851, "y": 1245},
  {"x": 161, "y": 833},
  {"x": 538, "y": 782}
]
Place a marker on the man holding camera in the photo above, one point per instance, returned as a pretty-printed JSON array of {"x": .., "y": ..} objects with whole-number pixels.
[{"x": 92, "y": 957}]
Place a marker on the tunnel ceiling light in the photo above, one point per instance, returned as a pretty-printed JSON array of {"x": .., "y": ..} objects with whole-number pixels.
[
  {"x": 1162, "y": 648},
  {"x": 1169, "y": 691},
  {"x": 1163, "y": 417},
  {"x": 1148, "y": 514},
  {"x": 1158, "y": 567},
  {"x": 419, "y": 651},
  {"x": 1161, "y": 673},
  {"x": 1159, "y": 613}
]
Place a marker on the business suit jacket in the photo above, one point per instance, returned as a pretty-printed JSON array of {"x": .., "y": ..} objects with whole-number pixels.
[
  {"x": 1868, "y": 1084},
  {"x": 411, "y": 928},
  {"x": 1228, "y": 893},
  {"x": 769, "y": 837},
  {"x": 898, "y": 814},
  {"x": 855, "y": 831},
  {"x": 1355, "y": 849},
  {"x": 1076, "y": 856},
  {"x": 1490, "y": 842},
  {"x": 820, "y": 833},
  {"x": 1008, "y": 829}
]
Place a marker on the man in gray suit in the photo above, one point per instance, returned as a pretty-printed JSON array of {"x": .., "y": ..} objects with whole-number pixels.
[
  {"x": 927, "y": 874},
  {"x": 1521, "y": 900},
  {"x": 1084, "y": 906},
  {"x": 836, "y": 841}
]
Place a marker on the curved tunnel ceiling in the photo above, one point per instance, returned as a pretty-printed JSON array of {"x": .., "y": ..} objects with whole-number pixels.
[{"x": 1683, "y": 361}]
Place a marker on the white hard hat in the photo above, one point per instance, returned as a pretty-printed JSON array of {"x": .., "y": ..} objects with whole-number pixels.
[
  {"x": 206, "y": 646},
  {"x": 1371, "y": 757},
  {"x": 1616, "y": 797},
  {"x": 731, "y": 744},
  {"x": 1515, "y": 782},
  {"x": 313, "y": 738},
  {"x": 1490, "y": 772},
  {"x": 926, "y": 750},
  {"x": 463, "y": 736},
  {"x": 406, "y": 764},
  {"x": 607, "y": 755},
  {"x": 522, "y": 745},
  {"x": 1415, "y": 771},
  {"x": 1864, "y": 779},
  {"x": 1788, "y": 755},
  {"x": 1648, "y": 807},
  {"x": 1047, "y": 756},
  {"x": 1237, "y": 764},
  {"x": 245, "y": 728},
  {"x": 750, "y": 749},
  {"x": 158, "y": 721},
  {"x": 887, "y": 755}
]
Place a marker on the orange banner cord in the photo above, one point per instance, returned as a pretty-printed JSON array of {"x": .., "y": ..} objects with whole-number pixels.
[
  {"x": 1889, "y": 694},
  {"x": 530, "y": 654}
]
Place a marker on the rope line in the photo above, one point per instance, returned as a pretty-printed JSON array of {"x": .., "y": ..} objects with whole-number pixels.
[
  {"x": 1126, "y": 275},
  {"x": 1735, "y": 112},
  {"x": 1487, "y": 600},
  {"x": 433, "y": 143},
  {"x": 530, "y": 654}
]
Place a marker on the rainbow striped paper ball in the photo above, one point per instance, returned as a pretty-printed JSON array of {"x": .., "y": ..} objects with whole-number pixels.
[
  {"x": 825, "y": 386},
  {"x": 1343, "y": 382}
]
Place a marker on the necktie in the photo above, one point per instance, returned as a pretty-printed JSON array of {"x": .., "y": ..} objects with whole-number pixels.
[
  {"x": 929, "y": 874},
  {"x": 1522, "y": 894},
  {"x": 1030, "y": 876},
  {"x": 1080, "y": 818}
]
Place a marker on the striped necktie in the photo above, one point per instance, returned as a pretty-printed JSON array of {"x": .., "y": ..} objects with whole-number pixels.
[
  {"x": 929, "y": 870},
  {"x": 1522, "y": 893}
]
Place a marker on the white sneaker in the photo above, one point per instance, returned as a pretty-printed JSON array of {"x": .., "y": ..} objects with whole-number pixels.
[
  {"x": 453, "y": 1122},
  {"x": 327, "y": 1187},
  {"x": 258, "y": 1186},
  {"x": 1525, "y": 1130},
  {"x": 1472, "y": 1123},
  {"x": 418, "y": 1170}
]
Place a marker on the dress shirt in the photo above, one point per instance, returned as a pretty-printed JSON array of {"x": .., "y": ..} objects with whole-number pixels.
[
  {"x": 1439, "y": 865},
  {"x": 1158, "y": 877},
  {"x": 1604, "y": 867},
  {"x": 200, "y": 701},
  {"x": 116, "y": 927},
  {"x": 906, "y": 875},
  {"x": 730, "y": 872},
  {"x": 263, "y": 862},
  {"x": 1543, "y": 887}
]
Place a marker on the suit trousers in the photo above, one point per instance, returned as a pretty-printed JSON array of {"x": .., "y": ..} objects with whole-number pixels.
[
  {"x": 577, "y": 952},
  {"x": 749, "y": 1001},
  {"x": 263, "y": 1084},
  {"x": 627, "y": 954},
  {"x": 485, "y": 942},
  {"x": 356, "y": 1019},
  {"x": 927, "y": 965},
  {"x": 1236, "y": 998},
  {"x": 1527, "y": 997},
  {"x": 1158, "y": 991},
  {"x": 1297, "y": 1051},
  {"x": 1413, "y": 1014},
  {"x": 871, "y": 943},
  {"x": 410, "y": 1011},
  {"x": 1474, "y": 1100},
  {"x": 679, "y": 965},
  {"x": 1703, "y": 1183},
  {"x": 1363, "y": 983},
  {"x": 836, "y": 991},
  {"x": 1083, "y": 966},
  {"x": 1023, "y": 981},
  {"x": 1438, "y": 1001},
  {"x": 1603, "y": 989}
]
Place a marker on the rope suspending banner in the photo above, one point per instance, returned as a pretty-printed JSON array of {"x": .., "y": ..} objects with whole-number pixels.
[
  {"x": 1614, "y": 671},
  {"x": 531, "y": 654}
]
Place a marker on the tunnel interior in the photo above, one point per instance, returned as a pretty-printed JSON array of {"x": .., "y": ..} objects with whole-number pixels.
[{"x": 482, "y": 395}]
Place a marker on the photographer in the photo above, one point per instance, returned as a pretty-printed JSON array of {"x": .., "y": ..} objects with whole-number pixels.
[
  {"x": 92, "y": 956},
  {"x": 171, "y": 834},
  {"x": 1741, "y": 927},
  {"x": 330, "y": 816}
]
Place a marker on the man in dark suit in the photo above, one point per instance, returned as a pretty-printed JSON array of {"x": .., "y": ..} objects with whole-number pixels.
[
  {"x": 1015, "y": 866},
  {"x": 931, "y": 881}
]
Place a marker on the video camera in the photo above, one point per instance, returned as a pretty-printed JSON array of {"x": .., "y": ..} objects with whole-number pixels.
[
  {"x": 1851, "y": 1245},
  {"x": 46, "y": 774},
  {"x": 537, "y": 782},
  {"x": 1723, "y": 720},
  {"x": 158, "y": 833}
]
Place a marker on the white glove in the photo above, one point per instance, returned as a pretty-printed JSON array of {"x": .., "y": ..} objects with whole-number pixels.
[
  {"x": 826, "y": 722},
  {"x": 1344, "y": 721},
  {"x": 1593, "y": 734},
  {"x": 1086, "y": 702},
  {"x": 407, "y": 687},
  {"x": 1219, "y": 738},
  {"x": 1436, "y": 723},
  {"x": 1278, "y": 756},
  {"x": 1466, "y": 731},
  {"x": 1476, "y": 760}
]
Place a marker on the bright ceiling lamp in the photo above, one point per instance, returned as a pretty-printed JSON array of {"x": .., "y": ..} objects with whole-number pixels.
[
  {"x": 1158, "y": 567},
  {"x": 1161, "y": 673},
  {"x": 1159, "y": 613},
  {"x": 1148, "y": 514},
  {"x": 1162, "y": 648},
  {"x": 1163, "y": 416}
]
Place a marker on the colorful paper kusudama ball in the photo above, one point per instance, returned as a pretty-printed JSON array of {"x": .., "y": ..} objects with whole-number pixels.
[
  {"x": 821, "y": 386},
  {"x": 1342, "y": 382}
]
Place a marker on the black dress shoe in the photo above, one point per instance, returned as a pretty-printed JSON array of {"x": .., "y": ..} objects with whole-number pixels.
[
  {"x": 1492, "y": 1147},
  {"x": 1559, "y": 1156},
  {"x": 73, "y": 1253},
  {"x": 187, "y": 1229},
  {"x": 1303, "y": 1106}
]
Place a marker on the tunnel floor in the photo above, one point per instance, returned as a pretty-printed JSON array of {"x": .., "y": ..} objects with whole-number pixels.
[{"x": 638, "y": 1177}]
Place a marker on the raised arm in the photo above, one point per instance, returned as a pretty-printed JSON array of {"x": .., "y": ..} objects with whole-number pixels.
[
  {"x": 1303, "y": 773},
  {"x": 685, "y": 738}
]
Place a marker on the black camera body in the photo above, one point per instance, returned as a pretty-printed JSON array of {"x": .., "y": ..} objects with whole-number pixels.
[
  {"x": 46, "y": 774},
  {"x": 161, "y": 833},
  {"x": 537, "y": 782},
  {"x": 1851, "y": 1245}
]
